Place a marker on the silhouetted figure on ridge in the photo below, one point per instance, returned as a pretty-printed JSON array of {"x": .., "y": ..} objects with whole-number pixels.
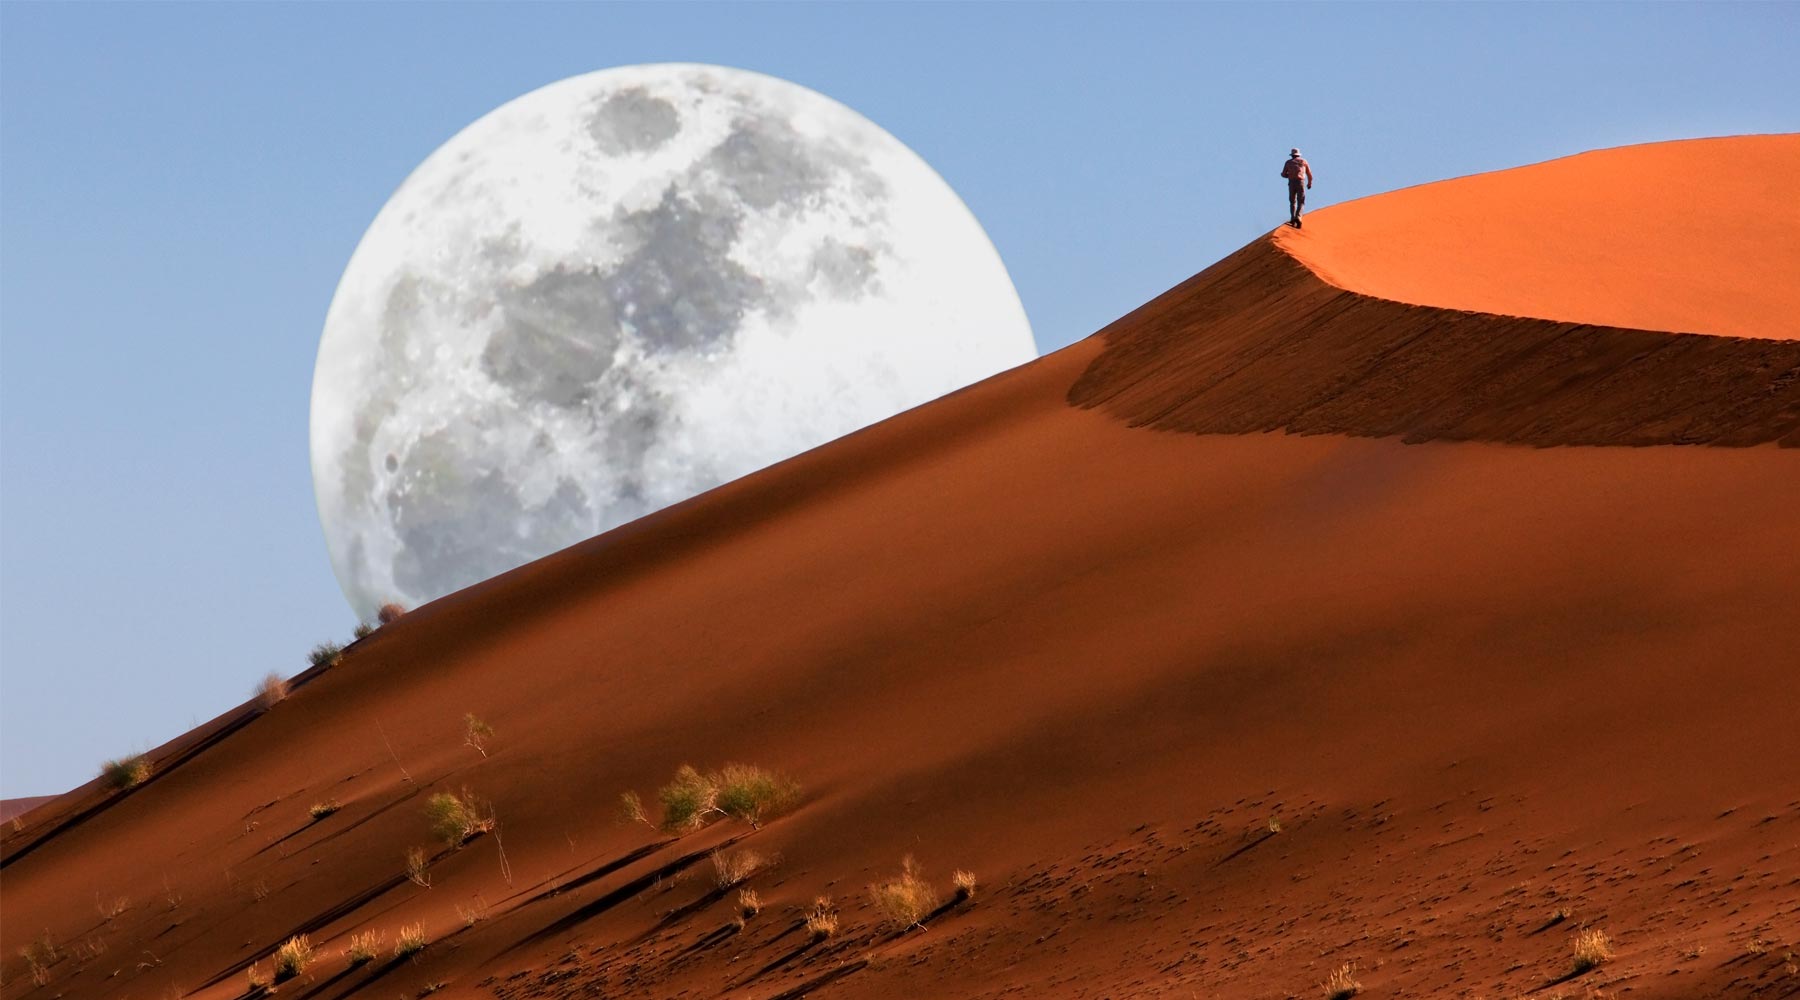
[{"x": 1296, "y": 170}]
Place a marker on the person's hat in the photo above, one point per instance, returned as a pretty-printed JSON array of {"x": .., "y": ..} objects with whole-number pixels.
[{"x": 1293, "y": 152}]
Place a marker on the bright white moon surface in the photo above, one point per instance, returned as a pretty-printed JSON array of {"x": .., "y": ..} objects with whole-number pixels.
[{"x": 619, "y": 291}]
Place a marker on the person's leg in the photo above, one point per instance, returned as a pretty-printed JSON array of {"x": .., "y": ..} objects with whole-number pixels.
[
  {"x": 1299, "y": 199},
  {"x": 1293, "y": 205}
]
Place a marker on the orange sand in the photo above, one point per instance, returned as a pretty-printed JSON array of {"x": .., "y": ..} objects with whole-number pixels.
[
  {"x": 1209, "y": 713},
  {"x": 1693, "y": 237}
]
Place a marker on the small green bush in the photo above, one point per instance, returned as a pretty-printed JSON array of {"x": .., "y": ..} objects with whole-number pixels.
[
  {"x": 126, "y": 772},
  {"x": 687, "y": 800},
  {"x": 363, "y": 630},
  {"x": 456, "y": 818},
  {"x": 752, "y": 794},
  {"x": 741, "y": 791},
  {"x": 325, "y": 654}
]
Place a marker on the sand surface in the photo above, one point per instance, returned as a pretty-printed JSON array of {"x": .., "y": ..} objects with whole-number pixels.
[
  {"x": 1693, "y": 237},
  {"x": 1210, "y": 708},
  {"x": 20, "y": 806}
]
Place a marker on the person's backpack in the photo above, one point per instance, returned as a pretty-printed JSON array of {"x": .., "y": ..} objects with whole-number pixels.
[{"x": 1291, "y": 169}]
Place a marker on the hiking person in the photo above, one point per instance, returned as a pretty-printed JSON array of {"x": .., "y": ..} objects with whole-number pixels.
[{"x": 1295, "y": 170}]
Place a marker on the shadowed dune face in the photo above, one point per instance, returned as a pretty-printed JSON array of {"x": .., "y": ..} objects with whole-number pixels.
[
  {"x": 1207, "y": 714},
  {"x": 1259, "y": 342}
]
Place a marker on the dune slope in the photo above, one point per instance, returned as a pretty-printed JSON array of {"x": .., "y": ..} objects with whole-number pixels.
[{"x": 1211, "y": 713}]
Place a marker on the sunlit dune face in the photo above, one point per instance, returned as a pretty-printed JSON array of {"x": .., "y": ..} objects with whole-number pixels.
[{"x": 1677, "y": 237}]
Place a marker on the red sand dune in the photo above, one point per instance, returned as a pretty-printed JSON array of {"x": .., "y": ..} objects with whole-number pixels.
[
  {"x": 1210, "y": 711},
  {"x": 19, "y": 807}
]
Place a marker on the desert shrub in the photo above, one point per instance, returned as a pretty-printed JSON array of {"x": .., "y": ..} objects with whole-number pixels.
[
  {"x": 476, "y": 733},
  {"x": 905, "y": 899},
  {"x": 320, "y": 810},
  {"x": 363, "y": 948},
  {"x": 456, "y": 818},
  {"x": 325, "y": 654},
  {"x": 292, "y": 958},
  {"x": 390, "y": 613},
  {"x": 417, "y": 861},
  {"x": 362, "y": 630},
  {"x": 1592, "y": 947},
  {"x": 752, "y": 794},
  {"x": 270, "y": 690},
  {"x": 1342, "y": 984},
  {"x": 965, "y": 884},
  {"x": 687, "y": 800},
  {"x": 822, "y": 919},
  {"x": 410, "y": 942},
  {"x": 126, "y": 772},
  {"x": 749, "y": 904},
  {"x": 742, "y": 791},
  {"x": 258, "y": 980},
  {"x": 736, "y": 867}
]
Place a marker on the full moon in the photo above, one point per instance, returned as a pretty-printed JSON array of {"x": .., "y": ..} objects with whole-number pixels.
[{"x": 621, "y": 290}]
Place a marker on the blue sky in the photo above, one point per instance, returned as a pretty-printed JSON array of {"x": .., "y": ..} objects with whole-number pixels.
[{"x": 182, "y": 185}]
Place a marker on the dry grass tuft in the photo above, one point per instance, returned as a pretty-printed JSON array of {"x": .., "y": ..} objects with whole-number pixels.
[
  {"x": 109, "y": 909},
  {"x": 740, "y": 791},
  {"x": 258, "y": 980},
  {"x": 363, "y": 948},
  {"x": 733, "y": 868},
  {"x": 473, "y": 913},
  {"x": 410, "y": 942},
  {"x": 749, "y": 904},
  {"x": 631, "y": 809},
  {"x": 1342, "y": 984},
  {"x": 320, "y": 810},
  {"x": 126, "y": 772},
  {"x": 272, "y": 690},
  {"x": 476, "y": 733},
  {"x": 456, "y": 818},
  {"x": 822, "y": 919},
  {"x": 390, "y": 613},
  {"x": 1592, "y": 948},
  {"x": 965, "y": 885},
  {"x": 325, "y": 654},
  {"x": 417, "y": 863},
  {"x": 362, "y": 630},
  {"x": 292, "y": 958},
  {"x": 905, "y": 899},
  {"x": 39, "y": 955}
]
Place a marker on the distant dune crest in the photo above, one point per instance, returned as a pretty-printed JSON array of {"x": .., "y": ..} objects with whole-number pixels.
[{"x": 1490, "y": 308}]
